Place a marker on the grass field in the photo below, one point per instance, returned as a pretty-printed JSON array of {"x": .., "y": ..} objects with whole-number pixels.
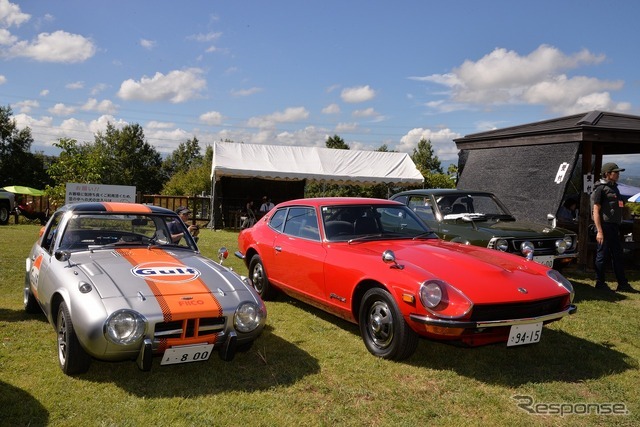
[{"x": 311, "y": 369}]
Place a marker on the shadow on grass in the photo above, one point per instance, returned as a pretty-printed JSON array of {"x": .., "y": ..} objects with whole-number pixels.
[
  {"x": 271, "y": 362},
  {"x": 19, "y": 408},
  {"x": 557, "y": 357},
  {"x": 8, "y": 315}
]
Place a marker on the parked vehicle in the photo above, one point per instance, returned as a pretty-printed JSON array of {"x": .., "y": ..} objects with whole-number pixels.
[
  {"x": 375, "y": 263},
  {"x": 479, "y": 218},
  {"x": 7, "y": 205},
  {"x": 124, "y": 281}
]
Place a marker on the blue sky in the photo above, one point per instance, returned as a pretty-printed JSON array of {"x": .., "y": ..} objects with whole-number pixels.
[{"x": 295, "y": 72}]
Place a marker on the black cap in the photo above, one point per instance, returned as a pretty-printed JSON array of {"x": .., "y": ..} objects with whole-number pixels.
[{"x": 183, "y": 209}]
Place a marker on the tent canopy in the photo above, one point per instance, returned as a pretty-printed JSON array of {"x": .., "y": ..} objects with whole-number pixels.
[
  {"x": 19, "y": 189},
  {"x": 279, "y": 162}
]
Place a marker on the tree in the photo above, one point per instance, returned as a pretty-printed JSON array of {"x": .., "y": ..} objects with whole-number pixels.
[
  {"x": 183, "y": 158},
  {"x": 425, "y": 160},
  {"x": 79, "y": 163},
  {"x": 193, "y": 181},
  {"x": 130, "y": 160},
  {"x": 18, "y": 166},
  {"x": 336, "y": 142}
]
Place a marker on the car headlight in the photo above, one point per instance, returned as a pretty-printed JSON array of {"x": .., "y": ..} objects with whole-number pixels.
[
  {"x": 561, "y": 280},
  {"x": 526, "y": 248},
  {"x": 125, "y": 327},
  {"x": 248, "y": 317},
  {"x": 502, "y": 245},
  {"x": 568, "y": 240},
  {"x": 561, "y": 246},
  {"x": 431, "y": 293}
]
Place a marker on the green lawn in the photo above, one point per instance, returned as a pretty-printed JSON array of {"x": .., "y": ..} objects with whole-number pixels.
[{"x": 311, "y": 369}]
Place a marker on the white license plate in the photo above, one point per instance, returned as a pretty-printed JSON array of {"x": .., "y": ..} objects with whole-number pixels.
[
  {"x": 185, "y": 354},
  {"x": 524, "y": 334},
  {"x": 544, "y": 260}
]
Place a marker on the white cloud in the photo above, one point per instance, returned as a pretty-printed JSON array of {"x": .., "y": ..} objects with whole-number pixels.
[
  {"x": 6, "y": 38},
  {"x": 289, "y": 115},
  {"x": 10, "y": 14},
  {"x": 331, "y": 109},
  {"x": 175, "y": 87},
  {"x": 246, "y": 92},
  {"x": 3, "y": 79},
  {"x": 441, "y": 142},
  {"x": 61, "y": 110},
  {"x": 211, "y": 118},
  {"x": 26, "y": 106},
  {"x": 44, "y": 92},
  {"x": 357, "y": 94},
  {"x": 75, "y": 85},
  {"x": 147, "y": 44},
  {"x": 505, "y": 77},
  {"x": 59, "y": 46},
  {"x": 367, "y": 112},
  {"x": 346, "y": 127},
  {"x": 105, "y": 106}
]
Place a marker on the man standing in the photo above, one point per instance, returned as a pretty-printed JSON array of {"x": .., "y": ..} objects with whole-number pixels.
[{"x": 607, "y": 207}]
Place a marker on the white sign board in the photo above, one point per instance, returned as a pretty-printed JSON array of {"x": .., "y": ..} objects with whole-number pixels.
[{"x": 99, "y": 193}]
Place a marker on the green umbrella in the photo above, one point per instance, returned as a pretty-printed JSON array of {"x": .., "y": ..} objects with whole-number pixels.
[{"x": 19, "y": 189}]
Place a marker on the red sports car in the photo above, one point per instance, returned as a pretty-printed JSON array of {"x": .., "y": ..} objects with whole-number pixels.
[{"x": 374, "y": 263}]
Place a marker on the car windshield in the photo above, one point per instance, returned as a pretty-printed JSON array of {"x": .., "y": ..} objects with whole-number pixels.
[
  {"x": 474, "y": 206},
  {"x": 90, "y": 231},
  {"x": 372, "y": 222}
]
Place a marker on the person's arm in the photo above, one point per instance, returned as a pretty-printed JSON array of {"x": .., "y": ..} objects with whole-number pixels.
[{"x": 598, "y": 222}]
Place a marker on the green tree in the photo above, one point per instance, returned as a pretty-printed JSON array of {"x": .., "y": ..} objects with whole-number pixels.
[
  {"x": 336, "y": 142},
  {"x": 193, "y": 181},
  {"x": 183, "y": 158},
  {"x": 79, "y": 163},
  {"x": 18, "y": 166},
  {"x": 129, "y": 159},
  {"x": 424, "y": 158}
]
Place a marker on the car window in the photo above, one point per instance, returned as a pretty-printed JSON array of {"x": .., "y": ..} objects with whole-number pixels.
[
  {"x": 277, "y": 219},
  {"x": 421, "y": 205},
  {"x": 51, "y": 232},
  {"x": 302, "y": 222}
]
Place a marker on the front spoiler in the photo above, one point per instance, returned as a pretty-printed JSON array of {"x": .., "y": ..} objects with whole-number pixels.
[{"x": 449, "y": 323}]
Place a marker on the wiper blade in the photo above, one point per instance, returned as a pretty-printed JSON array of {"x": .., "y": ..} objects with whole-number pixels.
[
  {"x": 365, "y": 237},
  {"x": 426, "y": 235}
]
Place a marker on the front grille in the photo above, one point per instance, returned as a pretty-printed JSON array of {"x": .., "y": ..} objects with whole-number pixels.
[
  {"x": 517, "y": 310},
  {"x": 540, "y": 246},
  {"x": 189, "y": 328}
]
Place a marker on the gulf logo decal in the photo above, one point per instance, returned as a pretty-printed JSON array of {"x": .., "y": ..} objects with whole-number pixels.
[
  {"x": 179, "y": 289},
  {"x": 164, "y": 272}
]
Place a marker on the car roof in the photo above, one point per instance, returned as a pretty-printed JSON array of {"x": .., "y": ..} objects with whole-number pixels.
[
  {"x": 439, "y": 192},
  {"x": 115, "y": 207},
  {"x": 334, "y": 201}
]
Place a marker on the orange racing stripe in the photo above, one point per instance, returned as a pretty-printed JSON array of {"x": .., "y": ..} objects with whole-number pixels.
[{"x": 125, "y": 207}]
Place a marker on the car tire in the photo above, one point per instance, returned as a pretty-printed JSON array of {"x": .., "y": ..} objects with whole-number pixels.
[
  {"x": 71, "y": 356},
  {"x": 259, "y": 279},
  {"x": 4, "y": 213},
  {"x": 30, "y": 303},
  {"x": 384, "y": 331}
]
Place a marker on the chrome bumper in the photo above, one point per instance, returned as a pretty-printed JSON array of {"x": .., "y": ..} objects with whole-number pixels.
[{"x": 449, "y": 323}]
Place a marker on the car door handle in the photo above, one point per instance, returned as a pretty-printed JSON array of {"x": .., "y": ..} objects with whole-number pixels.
[{"x": 278, "y": 249}]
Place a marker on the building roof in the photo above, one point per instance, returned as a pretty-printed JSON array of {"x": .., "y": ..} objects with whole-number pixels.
[{"x": 618, "y": 133}]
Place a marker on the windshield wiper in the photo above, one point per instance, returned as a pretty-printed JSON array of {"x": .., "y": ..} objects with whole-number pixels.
[
  {"x": 365, "y": 237},
  {"x": 426, "y": 235}
]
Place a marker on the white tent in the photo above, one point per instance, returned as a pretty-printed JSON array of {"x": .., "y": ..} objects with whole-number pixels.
[
  {"x": 313, "y": 164},
  {"x": 305, "y": 164}
]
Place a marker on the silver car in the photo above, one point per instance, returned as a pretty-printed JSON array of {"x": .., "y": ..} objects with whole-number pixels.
[{"x": 123, "y": 281}]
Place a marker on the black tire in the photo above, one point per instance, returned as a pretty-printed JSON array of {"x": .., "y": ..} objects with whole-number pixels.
[
  {"x": 384, "y": 331},
  {"x": 259, "y": 279},
  {"x": 71, "y": 356},
  {"x": 30, "y": 303},
  {"x": 4, "y": 213}
]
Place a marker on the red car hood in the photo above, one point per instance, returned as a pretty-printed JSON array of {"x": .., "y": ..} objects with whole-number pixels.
[{"x": 484, "y": 275}]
